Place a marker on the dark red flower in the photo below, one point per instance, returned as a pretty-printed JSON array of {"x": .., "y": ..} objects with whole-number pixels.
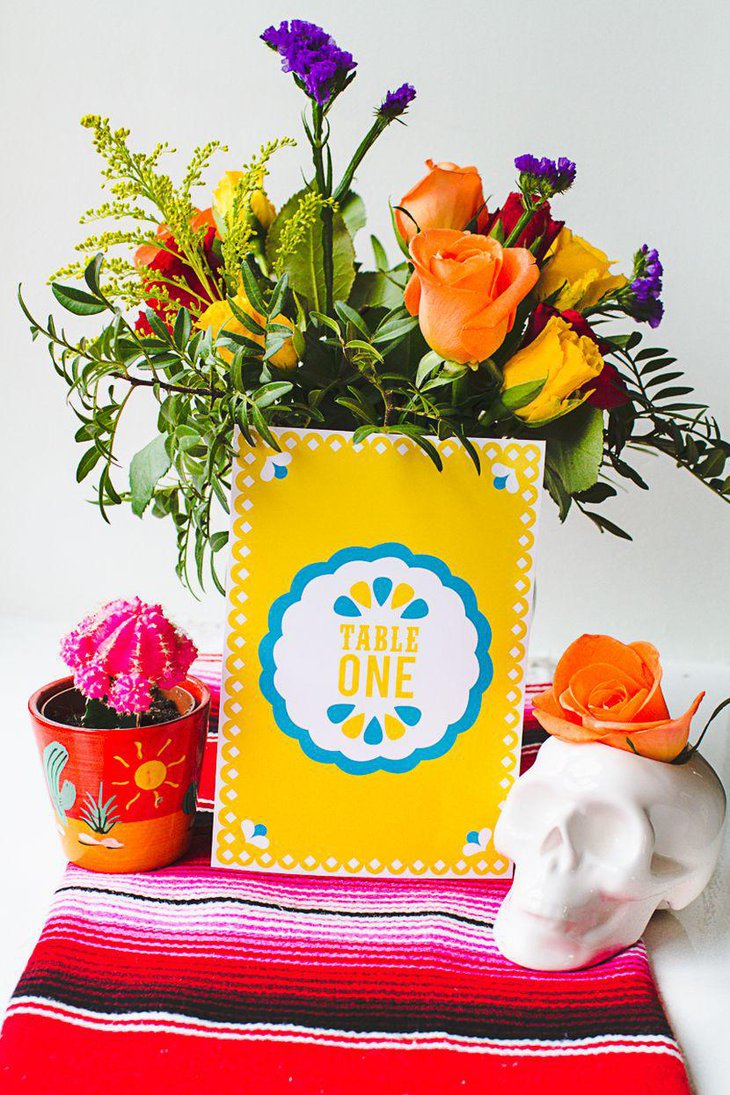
[
  {"x": 609, "y": 390},
  {"x": 541, "y": 227},
  {"x": 177, "y": 281}
]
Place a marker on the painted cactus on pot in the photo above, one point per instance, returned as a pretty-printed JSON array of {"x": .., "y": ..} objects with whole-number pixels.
[{"x": 63, "y": 795}]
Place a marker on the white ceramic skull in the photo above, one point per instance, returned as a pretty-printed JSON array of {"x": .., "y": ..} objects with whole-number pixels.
[{"x": 601, "y": 838}]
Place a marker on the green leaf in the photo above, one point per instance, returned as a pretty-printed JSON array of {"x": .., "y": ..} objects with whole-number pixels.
[
  {"x": 605, "y": 525},
  {"x": 181, "y": 330},
  {"x": 471, "y": 450},
  {"x": 245, "y": 319},
  {"x": 147, "y": 468},
  {"x": 381, "y": 259},
  {"x": 92, "y": 272},
  {"x": 158, "y": 326},
  {"x": 599, "y": 492},
  {"x": 663, "y": 378},
  {"x": 693, "y": 748},
  {"x": 497, "y": 231},
  {"x": 387, "y": 332},
  {"x": 556, "y": 489},
  {"x": 415, "y": 433},
  {"x": 626, "y": 342},
  {"x": 251, "y": 288},
  {"x": 305, "y": 266},
  {"x": 276, "y": 303},
  {"x": 363, "y": 414},
  {"x": 576, "y": 451},
  {"x": 87, "y": 462},
  {"x": 262, "y": 426},
  {"x": 352, "y": 211},
  {"x": 669, "y": 393},
  {"x": 349, "y": 315},
  {"x": 76, "y": 300},
  {"x": 654, "y": 366},
  {"x": 326, "y": 321},
  {"x": 269, "y": 393},
  {"x": 273, "y": 344},
  {"x": 713, "y": 465},
  {"x": 644, "y": 355},
  {"x": 439, "y": 381},
  {"x": 366, "y": 348},
  {"x": 426, "y": 366},
  {"x": 522, "y": 394},
  {"x": 628, "y": 472},
  {"x": 364, "y": 431},
  {"x": 399, "y": 239},
  {"x": 231, "y": 339},
  {"x": 371, "y": 289}
]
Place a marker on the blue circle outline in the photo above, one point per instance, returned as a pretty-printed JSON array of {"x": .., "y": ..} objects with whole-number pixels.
[{"x": 315, "y": 570}]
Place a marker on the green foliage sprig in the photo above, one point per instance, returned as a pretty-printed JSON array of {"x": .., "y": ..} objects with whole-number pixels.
[
  {"x": 201, "y": 395},
  {"x": 363, "y": 364}
]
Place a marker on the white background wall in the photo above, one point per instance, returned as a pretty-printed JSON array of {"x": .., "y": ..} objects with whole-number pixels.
[{"x": 635, "y": 92}]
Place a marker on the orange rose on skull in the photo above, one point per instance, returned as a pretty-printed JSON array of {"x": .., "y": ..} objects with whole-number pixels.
[
  {"x": 465, "y": 290},
  {"x": 610, "y": 692},
  {"x": 449, "y": 196}
]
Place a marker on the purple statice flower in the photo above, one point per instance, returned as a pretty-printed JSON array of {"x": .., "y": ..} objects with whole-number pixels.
[
  {"x": 545, "y": 176},
  {"x": 397, "y": 102},
  {"x": 642, "y": 294},
  {"x": 565, "y": 174},
  {"x": 527, "y": 164},
  {"x": 314, "y": 59}
]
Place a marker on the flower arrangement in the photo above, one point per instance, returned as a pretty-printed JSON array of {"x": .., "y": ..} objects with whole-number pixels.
[
  {"x": 495, "y": 320},
  {"x": 123, "y": 658},
  {"x": 610, "y": 692}
]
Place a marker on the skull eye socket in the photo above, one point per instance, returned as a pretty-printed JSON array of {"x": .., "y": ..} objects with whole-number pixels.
[
  {"x": 666, "y": 868},
  {"x": 606, "y": 832},
  {"x": 671, "y": 829},
  {"x": 533, "y": 810}
]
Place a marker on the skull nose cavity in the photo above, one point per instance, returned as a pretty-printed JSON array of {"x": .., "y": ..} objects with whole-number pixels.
[{"x": 560, "y": 850}]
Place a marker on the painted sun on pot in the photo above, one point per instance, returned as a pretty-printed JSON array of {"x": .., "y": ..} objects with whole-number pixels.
[{"x": 149, "y": 775}]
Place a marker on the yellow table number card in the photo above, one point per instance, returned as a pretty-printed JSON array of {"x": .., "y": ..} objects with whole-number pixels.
[{"x": 373, "y": 672}]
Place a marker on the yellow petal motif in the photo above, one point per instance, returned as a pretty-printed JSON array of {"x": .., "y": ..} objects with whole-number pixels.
[
  {"x": 353, "y": 727},
  {"x": 403, "y": 594},
  {"x": 394, "y": 728},
  {"x": 361, "y": 593}
]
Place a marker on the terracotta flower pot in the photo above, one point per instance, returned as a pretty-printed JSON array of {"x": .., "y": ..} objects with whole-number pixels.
[{"x": 124, "y": 800}]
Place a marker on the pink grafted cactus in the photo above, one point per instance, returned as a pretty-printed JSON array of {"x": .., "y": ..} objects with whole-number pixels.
[{"x": 121, "y": 652}]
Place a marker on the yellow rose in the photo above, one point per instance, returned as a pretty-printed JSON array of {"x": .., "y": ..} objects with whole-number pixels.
[
  {"x": 566, "y": 360},
  {"x": 219, "y": 317},
  {"x": 580, "y": 271},
  {"x": 261, "y": 207}
]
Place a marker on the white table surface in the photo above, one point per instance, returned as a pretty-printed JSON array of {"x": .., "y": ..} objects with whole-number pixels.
[{"x": 689, "y": 950}]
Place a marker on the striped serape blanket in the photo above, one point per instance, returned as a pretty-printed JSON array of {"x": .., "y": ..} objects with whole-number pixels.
[{"x": 192, "y": 978}]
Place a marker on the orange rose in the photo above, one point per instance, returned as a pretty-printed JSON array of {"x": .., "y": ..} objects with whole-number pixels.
[
  {"x": 448, "y": 197},
  {"x": 610, "y": 692},
  {"x": 465, "y": 290}
]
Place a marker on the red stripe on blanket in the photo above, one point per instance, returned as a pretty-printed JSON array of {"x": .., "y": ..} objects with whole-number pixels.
[{"x": 60, "y": 1056}]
